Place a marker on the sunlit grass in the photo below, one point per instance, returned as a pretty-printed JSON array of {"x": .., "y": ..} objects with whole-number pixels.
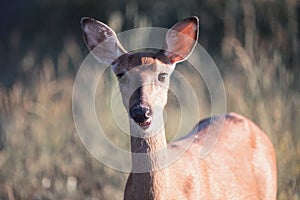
[{"x": 41, "y": 154}]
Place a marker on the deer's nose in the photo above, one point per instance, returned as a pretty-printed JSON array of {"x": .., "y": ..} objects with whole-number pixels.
[{"x": 140, "y": 113}]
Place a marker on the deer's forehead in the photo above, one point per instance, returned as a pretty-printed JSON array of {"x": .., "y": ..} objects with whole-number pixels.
[{"x": 139, "y": 62}]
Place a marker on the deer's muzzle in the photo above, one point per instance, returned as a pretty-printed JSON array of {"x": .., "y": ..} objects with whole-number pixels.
[{"x": 141, "y": 114}]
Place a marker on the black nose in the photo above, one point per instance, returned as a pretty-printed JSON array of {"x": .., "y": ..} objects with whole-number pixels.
[{"x": 140, "y": 113}]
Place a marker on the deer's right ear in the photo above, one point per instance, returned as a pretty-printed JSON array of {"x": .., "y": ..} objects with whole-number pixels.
[{"x": 101, "y": 40}]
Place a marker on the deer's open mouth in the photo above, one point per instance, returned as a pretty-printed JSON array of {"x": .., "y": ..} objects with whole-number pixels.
[{"x": 145, "y": 124}]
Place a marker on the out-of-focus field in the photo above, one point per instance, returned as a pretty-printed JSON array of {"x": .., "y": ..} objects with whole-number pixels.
[{"x": 41, "y": 156}]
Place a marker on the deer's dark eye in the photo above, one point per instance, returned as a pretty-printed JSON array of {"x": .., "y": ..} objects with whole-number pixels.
[
  {"x": 120, "y": 75},
  {"x": 162, "y": 77},
  {"x": 122, "y": 78}
]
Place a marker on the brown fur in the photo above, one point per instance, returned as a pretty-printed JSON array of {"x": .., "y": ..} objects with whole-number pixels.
[
  {"x": 241, "y": 165},
  {"x": 235, "y": 169}
]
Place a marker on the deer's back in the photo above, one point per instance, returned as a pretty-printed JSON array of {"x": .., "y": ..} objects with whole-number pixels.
[{"x": 240, "y": 166}]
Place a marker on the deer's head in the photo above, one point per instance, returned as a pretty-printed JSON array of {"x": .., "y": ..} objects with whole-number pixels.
[{"x": 143, "y": 76}]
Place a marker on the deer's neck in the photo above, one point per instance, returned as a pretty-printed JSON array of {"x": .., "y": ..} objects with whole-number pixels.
[
  {"x": 149, "y": 154},
  {"x": 148, "y": 145}
]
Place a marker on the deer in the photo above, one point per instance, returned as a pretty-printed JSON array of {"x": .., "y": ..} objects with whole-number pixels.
[{"x": 242, "y": 164}]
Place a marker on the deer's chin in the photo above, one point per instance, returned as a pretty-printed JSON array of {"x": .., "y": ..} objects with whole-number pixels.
[{"x": 145, "y": 124}]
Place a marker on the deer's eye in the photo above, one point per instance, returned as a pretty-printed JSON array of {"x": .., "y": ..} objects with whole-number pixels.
[
  {"x": 122, "y": 78},
  {"x": 120, "y": 75},
  {"x": 162, "y": 77}
]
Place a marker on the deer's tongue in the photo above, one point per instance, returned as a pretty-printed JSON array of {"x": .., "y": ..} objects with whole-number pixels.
[{"x": 145, "y": 124}]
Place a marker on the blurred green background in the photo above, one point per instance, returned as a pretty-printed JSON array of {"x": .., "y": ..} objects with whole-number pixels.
[{"x": 254, "y": 43}]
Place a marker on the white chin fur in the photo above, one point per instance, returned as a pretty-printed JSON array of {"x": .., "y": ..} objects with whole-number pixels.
[{"x": 155, "y": 127}]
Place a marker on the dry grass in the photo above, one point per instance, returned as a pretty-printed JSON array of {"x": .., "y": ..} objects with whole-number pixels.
[{"x": 42, "y": 157}]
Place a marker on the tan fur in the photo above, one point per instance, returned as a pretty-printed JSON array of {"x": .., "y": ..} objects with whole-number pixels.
[
  {"x": 235, "y": 169},
  {"x": 241, "y": 165}
]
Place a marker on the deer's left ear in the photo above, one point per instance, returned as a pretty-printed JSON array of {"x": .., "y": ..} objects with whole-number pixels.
[
  {"x": 181, "y": 39},
  {"x": 101, "y": 40}
]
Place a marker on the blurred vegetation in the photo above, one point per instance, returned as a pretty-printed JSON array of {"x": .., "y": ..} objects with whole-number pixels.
[{"x": 254, "y": 43}]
